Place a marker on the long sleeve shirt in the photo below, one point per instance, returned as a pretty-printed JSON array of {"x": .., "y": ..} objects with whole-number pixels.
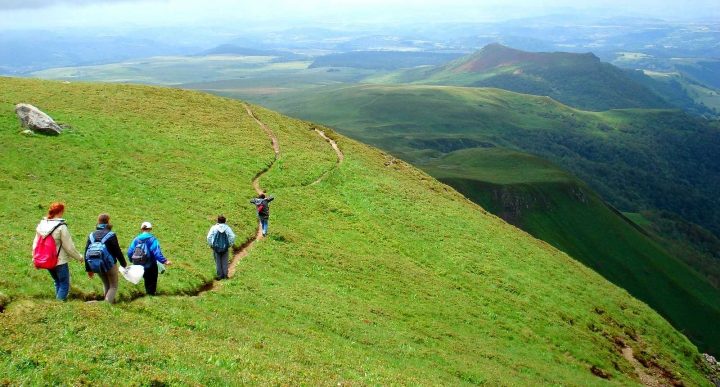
[
  {"x": 62, "y": 237},
  {"x": 112, "y": 244}
]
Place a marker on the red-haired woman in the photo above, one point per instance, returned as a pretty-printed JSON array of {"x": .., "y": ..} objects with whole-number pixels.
[{"x": 55, "y": 225}]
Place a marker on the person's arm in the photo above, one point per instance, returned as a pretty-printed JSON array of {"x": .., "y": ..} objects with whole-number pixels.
[
  {"x": 231, "y": 236},
  {"x": 113, "y": 246},
  {"x": 157, "y": 252},
  {"x": 211, "y": 235},
  {"x": 87, "y": 245},
  {"x": 270, "y": 198},
  {"x": 67, "y": 243}
]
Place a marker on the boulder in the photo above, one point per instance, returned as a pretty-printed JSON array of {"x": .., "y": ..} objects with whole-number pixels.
[{"x": 35, "y": 120}]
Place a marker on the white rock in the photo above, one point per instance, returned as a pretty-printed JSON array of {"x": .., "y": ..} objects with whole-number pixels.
[{"x": 35, "y": 120}]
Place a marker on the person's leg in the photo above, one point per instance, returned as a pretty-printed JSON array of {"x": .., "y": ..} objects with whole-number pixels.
[
  {"x": 63, "y": 276},
  {"x": 218, "y": 265},
  {"x": 224, "y": 264},
  {"x": 56, "y": 281},
  {"x": 106, "y": 283},
  {"x": 112, "y": 285},
  {"x": 264, "y": 223},
  {"x": 150, "y": 278}
]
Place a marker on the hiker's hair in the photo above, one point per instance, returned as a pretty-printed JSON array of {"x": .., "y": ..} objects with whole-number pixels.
[
  {"x": 262, "y": 196},
  {"x": 55, "y": 209},
  {"x": 105, "y": 219},
  {"x": 221, "y": 219}
]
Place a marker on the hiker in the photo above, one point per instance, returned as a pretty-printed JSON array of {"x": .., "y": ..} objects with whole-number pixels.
[
  {"x": 262, "y": 204},
  {"x": 102, "y": 254},
  {"x": 53, "y": 247},
  {"x": 145, "y": 251},
  {"x": 220, "y": 238}
]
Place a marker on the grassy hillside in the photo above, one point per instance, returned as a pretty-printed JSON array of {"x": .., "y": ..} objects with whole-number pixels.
[
  {"x": 357, "y": 284},
  {"x": 579, "y": 80},
  {"x": 551, "y": 205},
  {"x": 636, "y": 159}
]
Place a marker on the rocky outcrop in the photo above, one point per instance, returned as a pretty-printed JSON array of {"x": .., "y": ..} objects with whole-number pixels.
[{"x": 34, "y": 119}]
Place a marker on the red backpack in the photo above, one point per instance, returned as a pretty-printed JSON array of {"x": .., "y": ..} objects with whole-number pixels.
[{"x": 46, "y": 252}]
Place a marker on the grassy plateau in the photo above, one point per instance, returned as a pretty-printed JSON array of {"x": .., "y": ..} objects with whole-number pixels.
[{"x": 378, "y": 274}]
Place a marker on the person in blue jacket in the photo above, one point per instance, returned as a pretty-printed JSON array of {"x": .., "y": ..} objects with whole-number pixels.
[{"x": 145, "y": 250}]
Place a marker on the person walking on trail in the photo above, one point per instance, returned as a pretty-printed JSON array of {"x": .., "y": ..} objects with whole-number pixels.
[
  {"x": 221, "y": 238},
  {"x": 102, "y": 254},
  {"x": 53, "y": 247},
  {"x": 145, "y": 250},
  {"x": 262, "y": 204}
]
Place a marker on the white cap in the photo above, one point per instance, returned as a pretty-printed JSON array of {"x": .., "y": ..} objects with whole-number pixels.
[{"x": 146, "y": 226}]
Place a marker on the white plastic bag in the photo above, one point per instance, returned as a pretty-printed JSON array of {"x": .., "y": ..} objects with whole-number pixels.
[
  {"x": 161, "y": 268},
  {"x": 133, "y": 273}
]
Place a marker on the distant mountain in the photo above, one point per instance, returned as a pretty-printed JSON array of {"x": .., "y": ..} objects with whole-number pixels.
[{"x": 578, "y": 80}]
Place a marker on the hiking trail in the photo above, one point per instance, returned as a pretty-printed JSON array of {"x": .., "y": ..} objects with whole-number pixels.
[{"x": 244, "y": 249}]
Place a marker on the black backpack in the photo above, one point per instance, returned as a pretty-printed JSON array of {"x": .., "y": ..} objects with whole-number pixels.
[{"x": 140, "y": 254}]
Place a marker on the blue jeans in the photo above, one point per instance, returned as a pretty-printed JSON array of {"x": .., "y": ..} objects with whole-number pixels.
[
  {"x": 61, "y": 275},
  {"x": 264, "y": 225}
]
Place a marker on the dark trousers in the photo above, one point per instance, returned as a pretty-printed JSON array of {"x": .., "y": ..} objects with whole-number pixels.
[
  {"x": 61, "y": 276},
  {"x": 150, "y": 279}
]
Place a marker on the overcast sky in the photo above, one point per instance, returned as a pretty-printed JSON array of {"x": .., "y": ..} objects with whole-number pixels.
[{"x": 118, "y": 13}]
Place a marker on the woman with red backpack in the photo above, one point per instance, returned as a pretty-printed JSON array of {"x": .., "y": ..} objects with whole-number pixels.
[{"x": 53, "y": 247}]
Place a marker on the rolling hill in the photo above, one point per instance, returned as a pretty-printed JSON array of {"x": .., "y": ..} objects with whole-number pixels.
[
  {"x": 357, "y": 284},
  {"x": 578, "y": 80}
]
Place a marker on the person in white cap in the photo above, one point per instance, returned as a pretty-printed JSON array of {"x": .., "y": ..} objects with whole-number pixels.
[{"x": 145, "y": 250}]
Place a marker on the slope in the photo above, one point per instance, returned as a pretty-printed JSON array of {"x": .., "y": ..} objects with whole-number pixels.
[
  {"x": 637, "y": 159},
  {"x": 579, "y": 80},
  {"x": 552, "y": 206},
  {"x": 349, "y": 288}
]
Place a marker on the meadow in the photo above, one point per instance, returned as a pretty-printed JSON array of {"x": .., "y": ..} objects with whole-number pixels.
[{"x": 379, "y": 274}]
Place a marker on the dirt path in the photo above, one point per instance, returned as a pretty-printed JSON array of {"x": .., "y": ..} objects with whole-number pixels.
[
  {"x": 245, "y": 248},
  {"x": 338, "y": 152}
]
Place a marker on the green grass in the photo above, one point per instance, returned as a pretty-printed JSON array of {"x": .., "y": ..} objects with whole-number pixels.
[
  {"x": 377, "y": 275},
  {"x": 636, "y": 159},
  {"x": 551, "y": 205}
]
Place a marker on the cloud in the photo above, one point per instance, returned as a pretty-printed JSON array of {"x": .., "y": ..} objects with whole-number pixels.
[{"x": 35, "y": 4}]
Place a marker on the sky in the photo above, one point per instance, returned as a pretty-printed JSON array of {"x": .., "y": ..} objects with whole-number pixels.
[{"x": 31, "y": 14}]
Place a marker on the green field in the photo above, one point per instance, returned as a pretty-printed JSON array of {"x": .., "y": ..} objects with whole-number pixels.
[
  {"x": 222, "y": 74},
  {"x": 377, "y": 275}
]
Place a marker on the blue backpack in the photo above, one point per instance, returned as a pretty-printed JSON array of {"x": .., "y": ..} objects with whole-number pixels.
[
  {"x": 221, "y": 243},
  {"x": 97, "y": 256}
]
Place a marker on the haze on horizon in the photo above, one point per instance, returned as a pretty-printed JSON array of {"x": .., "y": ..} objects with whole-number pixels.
[{"x": 38, "y": 14}]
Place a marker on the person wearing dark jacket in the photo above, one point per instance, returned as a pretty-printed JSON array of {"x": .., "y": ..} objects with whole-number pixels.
[
  {"x": 110, "y": 278},
  {"x": 262, "y": 205},
  {"x": 151, "y": 247}
]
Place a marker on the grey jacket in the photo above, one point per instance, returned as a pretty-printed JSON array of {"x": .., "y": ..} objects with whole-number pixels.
[{"x": 263, "y": 206}]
